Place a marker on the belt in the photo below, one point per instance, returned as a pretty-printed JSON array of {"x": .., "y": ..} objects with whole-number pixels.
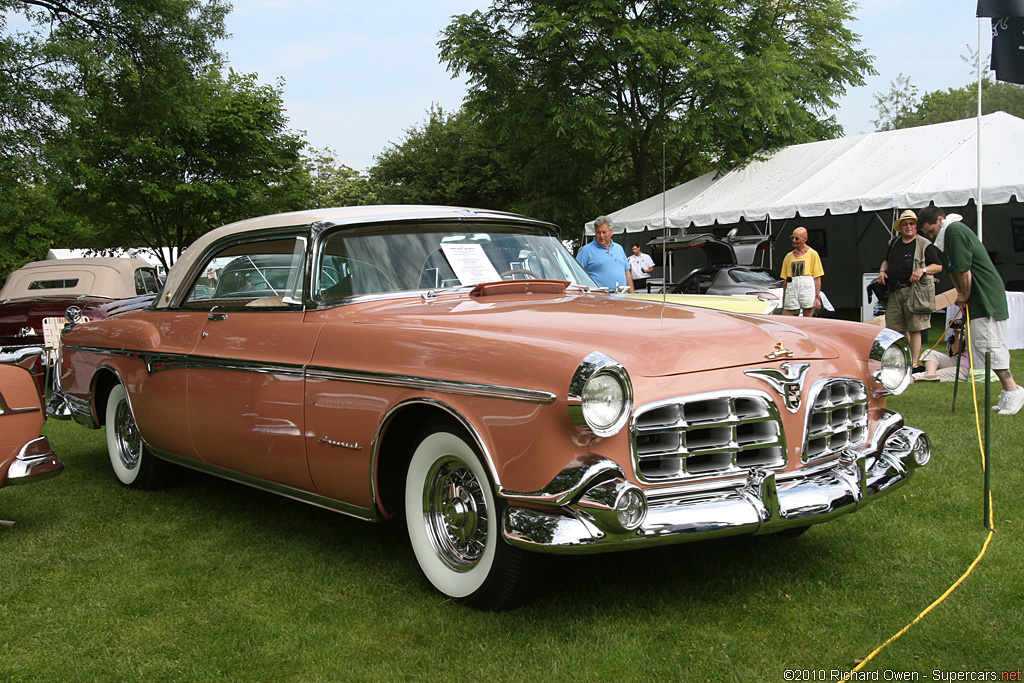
[{"x": 899, "y": 285}]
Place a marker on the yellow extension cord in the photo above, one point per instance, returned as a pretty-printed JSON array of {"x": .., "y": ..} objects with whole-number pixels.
[{"x": 991, "y": 513}]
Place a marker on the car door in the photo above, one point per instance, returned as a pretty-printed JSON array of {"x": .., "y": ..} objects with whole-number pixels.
[{"x": 246, "y": 373}]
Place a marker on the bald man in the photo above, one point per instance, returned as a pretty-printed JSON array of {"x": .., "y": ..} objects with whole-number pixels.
[{"x": 801, "y": 277}]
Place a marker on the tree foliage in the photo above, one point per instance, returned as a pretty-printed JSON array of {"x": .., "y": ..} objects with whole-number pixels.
[
  {"x": 902, "y": 108},
  {"x": 160, "y": 168},
  {"x": 448, "y": 160},
  {"x": 893, "y": 106},
  {"x": 583, "y": 94},
  {"x": 335, "y": 184},
  {"x": 952, "y": 104},
  {"x": 51, "y": 54}
]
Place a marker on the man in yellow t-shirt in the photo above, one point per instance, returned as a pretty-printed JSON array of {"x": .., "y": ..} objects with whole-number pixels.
[{"x": 801, "y": 277}]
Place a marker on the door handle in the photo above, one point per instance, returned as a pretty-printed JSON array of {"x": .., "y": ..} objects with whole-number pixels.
[{"x": 217, "y": 316}]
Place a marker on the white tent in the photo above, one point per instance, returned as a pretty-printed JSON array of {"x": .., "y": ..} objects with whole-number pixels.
[
  {"x": 878, "y": 171},
  {"x": 848, "y": 191}
]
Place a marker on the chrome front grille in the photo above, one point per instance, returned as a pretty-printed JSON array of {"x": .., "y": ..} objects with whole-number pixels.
[
  {"x": 837, "y": 419},
  {"x": 706, "y": 434}
]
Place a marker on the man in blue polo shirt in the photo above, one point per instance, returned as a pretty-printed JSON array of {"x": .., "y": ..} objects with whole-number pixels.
[{"x": 604, "y": 260}]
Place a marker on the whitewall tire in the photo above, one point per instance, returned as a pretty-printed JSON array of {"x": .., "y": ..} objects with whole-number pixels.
[
  {"x": 133, "y": 464},
  {"x": 454, "y": 522}
]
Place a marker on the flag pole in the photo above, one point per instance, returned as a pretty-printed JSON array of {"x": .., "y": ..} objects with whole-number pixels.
[{"x": 979, "y": 204}]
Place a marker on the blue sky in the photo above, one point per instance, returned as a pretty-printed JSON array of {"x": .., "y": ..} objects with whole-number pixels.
[{"x": 358, "y": 74}]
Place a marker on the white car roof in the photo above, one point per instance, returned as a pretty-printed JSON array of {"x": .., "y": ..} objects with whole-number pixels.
[{"x": 108, "y": 277}]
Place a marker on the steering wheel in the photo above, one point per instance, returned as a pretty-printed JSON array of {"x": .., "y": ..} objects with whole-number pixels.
[{"x": 520, "y": 271}]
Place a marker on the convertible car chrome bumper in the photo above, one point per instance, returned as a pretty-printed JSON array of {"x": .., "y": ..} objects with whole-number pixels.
[
  {"x": 582, "y": 518},
  {"x": 34, "y": 462}
]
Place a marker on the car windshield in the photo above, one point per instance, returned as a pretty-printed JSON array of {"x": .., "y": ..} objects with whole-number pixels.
[
  {"x": 745, "y": 275},
  {"x": 397, "y": 260}
]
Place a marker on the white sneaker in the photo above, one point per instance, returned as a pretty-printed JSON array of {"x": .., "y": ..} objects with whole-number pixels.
[
  {"x": 1014, "y": 402},
  {"x": 1002, "y": 401}
]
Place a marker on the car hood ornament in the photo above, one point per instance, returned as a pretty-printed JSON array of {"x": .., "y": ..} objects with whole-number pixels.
[
  {"x": 787, "y": 381},
  {"x": 779, "y": 352}
]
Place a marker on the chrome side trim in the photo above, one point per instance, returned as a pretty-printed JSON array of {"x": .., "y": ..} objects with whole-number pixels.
[
  {"x": 300, "y": 495},
  {"x": 443, "y": 386},
  {"x": 6, "y": 409},
  {"x": 210, "y": 363},
  {"x": 158, "y": 362}
]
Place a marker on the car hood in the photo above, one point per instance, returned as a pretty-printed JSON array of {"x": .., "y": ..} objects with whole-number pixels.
[{"x": 649, "y": 338}]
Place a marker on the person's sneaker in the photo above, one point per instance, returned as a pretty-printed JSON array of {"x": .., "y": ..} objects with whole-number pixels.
[
  {"x": 1002, "y": 400},
  {"x": 1014, "y": 402},
  {"x": 926, "y": 378}
]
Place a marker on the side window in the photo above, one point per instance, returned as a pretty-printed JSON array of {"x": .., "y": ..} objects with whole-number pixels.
[
  {"x": 146, "y": 281},
  {"x": 259, "y": 273}
]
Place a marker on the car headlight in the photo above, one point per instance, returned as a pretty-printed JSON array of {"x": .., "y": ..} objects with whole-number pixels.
[
  {"x": 892, "y": 351},
  {"x": 600, "y": 395}
]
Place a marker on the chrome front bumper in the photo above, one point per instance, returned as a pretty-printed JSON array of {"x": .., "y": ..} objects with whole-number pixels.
[
  {"x": 581, "y": 518},
  {"x": 34, "y": 462}
]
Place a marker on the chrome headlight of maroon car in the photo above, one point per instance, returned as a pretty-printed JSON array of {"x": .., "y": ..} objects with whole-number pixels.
[
  {"x": 600, "y": 395},
  {"x": 893, "y": 352}
]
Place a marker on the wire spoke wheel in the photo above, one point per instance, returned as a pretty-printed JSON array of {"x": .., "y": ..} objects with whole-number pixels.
[
  {"x": 455, "y": 513},
  {"x": 126, "y": 432}
]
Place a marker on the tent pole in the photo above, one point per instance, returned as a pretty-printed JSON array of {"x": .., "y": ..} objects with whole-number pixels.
[
  {"x": 666, "y": 255},
  {"x": 979, "y": 205}
]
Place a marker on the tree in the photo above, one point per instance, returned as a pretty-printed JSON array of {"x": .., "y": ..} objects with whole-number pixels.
[
  {"x": 158, "y": 167},
  {"x": 901, "y": 108},
  {"x": 335, "y": 184},
  {"x": 51, "y": 51},
  {"x": 447, "y": 160},
  {"x": 31, "y": 220},
  {"x": 587, "y": 92},
  {"x": 894, "y": 106}
]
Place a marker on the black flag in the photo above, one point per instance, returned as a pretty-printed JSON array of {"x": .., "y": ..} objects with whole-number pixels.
[{"x": 1007, "y": 37}]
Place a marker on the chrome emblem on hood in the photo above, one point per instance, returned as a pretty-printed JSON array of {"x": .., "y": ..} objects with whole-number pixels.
[
  {"x": 787, "y": 381},
  {"x": 779, "y": 352}
]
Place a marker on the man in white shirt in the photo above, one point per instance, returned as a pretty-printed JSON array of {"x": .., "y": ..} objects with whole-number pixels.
[{"x": 640, "y": 268}]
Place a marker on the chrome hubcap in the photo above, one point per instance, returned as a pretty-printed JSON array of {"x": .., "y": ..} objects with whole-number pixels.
[
  {"x": 129, "y": 442},
  {"x": 455, "y": 513}
]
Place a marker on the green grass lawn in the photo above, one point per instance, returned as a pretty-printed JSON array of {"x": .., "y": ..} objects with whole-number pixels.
[{"x": 213, "y": 581}]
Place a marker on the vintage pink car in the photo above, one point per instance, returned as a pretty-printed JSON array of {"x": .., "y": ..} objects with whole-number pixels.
[
  {"x": 453, "y": 368},
  {"x": 25, "y": 455}
]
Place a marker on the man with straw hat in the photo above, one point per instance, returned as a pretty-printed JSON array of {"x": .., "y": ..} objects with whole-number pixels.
[{"x": 908, "y": 272}]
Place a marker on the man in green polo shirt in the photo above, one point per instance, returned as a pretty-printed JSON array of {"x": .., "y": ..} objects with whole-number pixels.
[{"x": 980, "y": 288}]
